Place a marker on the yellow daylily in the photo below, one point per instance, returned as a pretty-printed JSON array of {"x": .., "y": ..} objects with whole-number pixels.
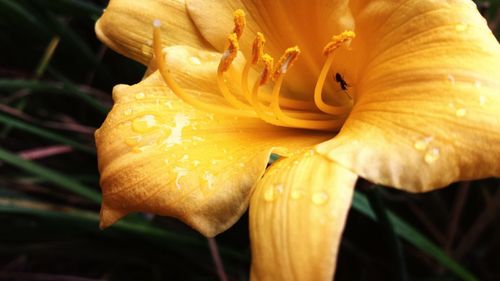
[{"x": 405, "y": 94}]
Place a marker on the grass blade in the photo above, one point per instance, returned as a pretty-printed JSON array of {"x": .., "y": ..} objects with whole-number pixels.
[
  {"x": 51, "y": 176},
  {"x": 45, "y": 134}
]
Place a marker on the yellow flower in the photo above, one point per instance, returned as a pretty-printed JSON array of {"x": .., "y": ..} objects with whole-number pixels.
[{"x": 405, "y": 94}]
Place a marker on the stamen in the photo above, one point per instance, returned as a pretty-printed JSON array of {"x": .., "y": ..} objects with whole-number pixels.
[
  {"x": 257, "y": 53},
  {"x": 336, "y": 42},
  {"x": 284, "y": 64},
  {"x": 230, "y": 54},
  {"x": 239, "y": 22},
  {"x": 286, "y": 61},
  {"x": 225, "y": 62},
  {"x": 176, "y": 89},
  {"x": 331, "y": 124},
  {"x": 263, "y": 79},
  {"x": 258, "y": 47}
]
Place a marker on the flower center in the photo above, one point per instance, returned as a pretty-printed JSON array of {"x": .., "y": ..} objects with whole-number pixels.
[{"x": 267, "y": 103}]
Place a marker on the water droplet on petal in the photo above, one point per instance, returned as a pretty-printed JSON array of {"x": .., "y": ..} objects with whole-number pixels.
[
  {"x": 194, "y": 60},
  {"x": 451, "y": 79},
  {"x": 175, "y": 137},
  {"x": 320, "y": 198},
  {"x": 279, "y": 187},
  {"x": 482, "y": 100},
  {"x": 181, "y": 172},
  {"x": 296, "y": 194},
  {"x": 432, "y": 155},
  {"x": 270, "y": 194},
  {"x": 422, "y": 144},
  {"x": 128, "y": 112},
  {"x": 133, "y": 141},
  {"x": 478, "y": 84},
  {"x": 209, "y": 178},
  {"x": 461, "y": 27},
  {"x": 140, "y": 96},
  {"x": 461, "y": 112},
  {"x": 144, "y": 124}
]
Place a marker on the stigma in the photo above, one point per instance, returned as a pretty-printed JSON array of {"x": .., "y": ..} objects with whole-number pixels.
[{"x": 263, "y": 97}]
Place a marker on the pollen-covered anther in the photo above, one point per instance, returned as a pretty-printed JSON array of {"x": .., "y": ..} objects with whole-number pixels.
[
  {"x": 338, "y": 40},
  {"x": 258, "y": 48},
  {"x": 286, "y": 61},
  {"x": 239, "y": 22},
  {"x": 265, "y": 75},
  {"x": 230, "y": 54}
]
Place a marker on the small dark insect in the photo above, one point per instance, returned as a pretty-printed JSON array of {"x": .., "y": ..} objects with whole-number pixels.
[{"x": 341, "y": 81}]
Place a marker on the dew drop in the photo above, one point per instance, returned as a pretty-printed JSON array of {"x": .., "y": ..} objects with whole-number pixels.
[
  {"x": 482, "y": 100},
  {"x": 432, "y": 155},
  {"x": 270, "y": 194},
  {"x": 133, "y": 141},
  {"x": 209, "y": 178},
  {"x": 194, "y": 60},
  {"x": 139, "y": 149},
  {"x": 145, "y": 49},
  {"x": 461, "y": 27},
  {"x": 198, "y": 139},
  {"x": 140, "y": 96},
  {"x": 144, "y": 124},
  {"x": 175, "y": 137},
  {"x": 320, "y": 198},
  {"x": 127, "y": 112},
  {"x": 478, "y": 84},
  {"x": 296, "y": 194},
  {"x": 169, "y": 105},
  {"x": 422, "y": 144},
  {"x": 279, "y": 187},
  {"x": 181, "y": 172},
  {"x": 451, "y": 79},
  {"x": 461, "y": 112}
]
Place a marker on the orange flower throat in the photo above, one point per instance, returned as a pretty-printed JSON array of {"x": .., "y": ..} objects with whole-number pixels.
[{"x": 268, "y": 105}]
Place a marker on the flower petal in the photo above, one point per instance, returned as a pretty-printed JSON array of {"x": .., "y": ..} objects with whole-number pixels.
[
  {"x": 297, "y": 215},
  {"x": 307, "y": 24},
  {"x": 126, "y": 27},
  {"x": 159, "y": 155},
  {"x": 427, "y": 109}
]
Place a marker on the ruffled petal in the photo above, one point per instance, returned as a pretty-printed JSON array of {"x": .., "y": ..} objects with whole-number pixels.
[
  {"x": 159, "y": 155},
  {"x": 126, "y": 27},
  {"x": 297, "y": 215},
  {"x": 427, "y": 109},
  {"x": 307, "y": 24}
]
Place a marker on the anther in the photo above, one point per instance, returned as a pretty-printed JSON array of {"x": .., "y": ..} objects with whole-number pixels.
[
  {"x": 230, "y": 54},
  {"x": 258, "y": 48},
  {"x": 239, "y": 22},
  {"x": 338, "y": 40},
  {"x": 268, "y": 69},
  {"x": 286, "y": 61}
]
